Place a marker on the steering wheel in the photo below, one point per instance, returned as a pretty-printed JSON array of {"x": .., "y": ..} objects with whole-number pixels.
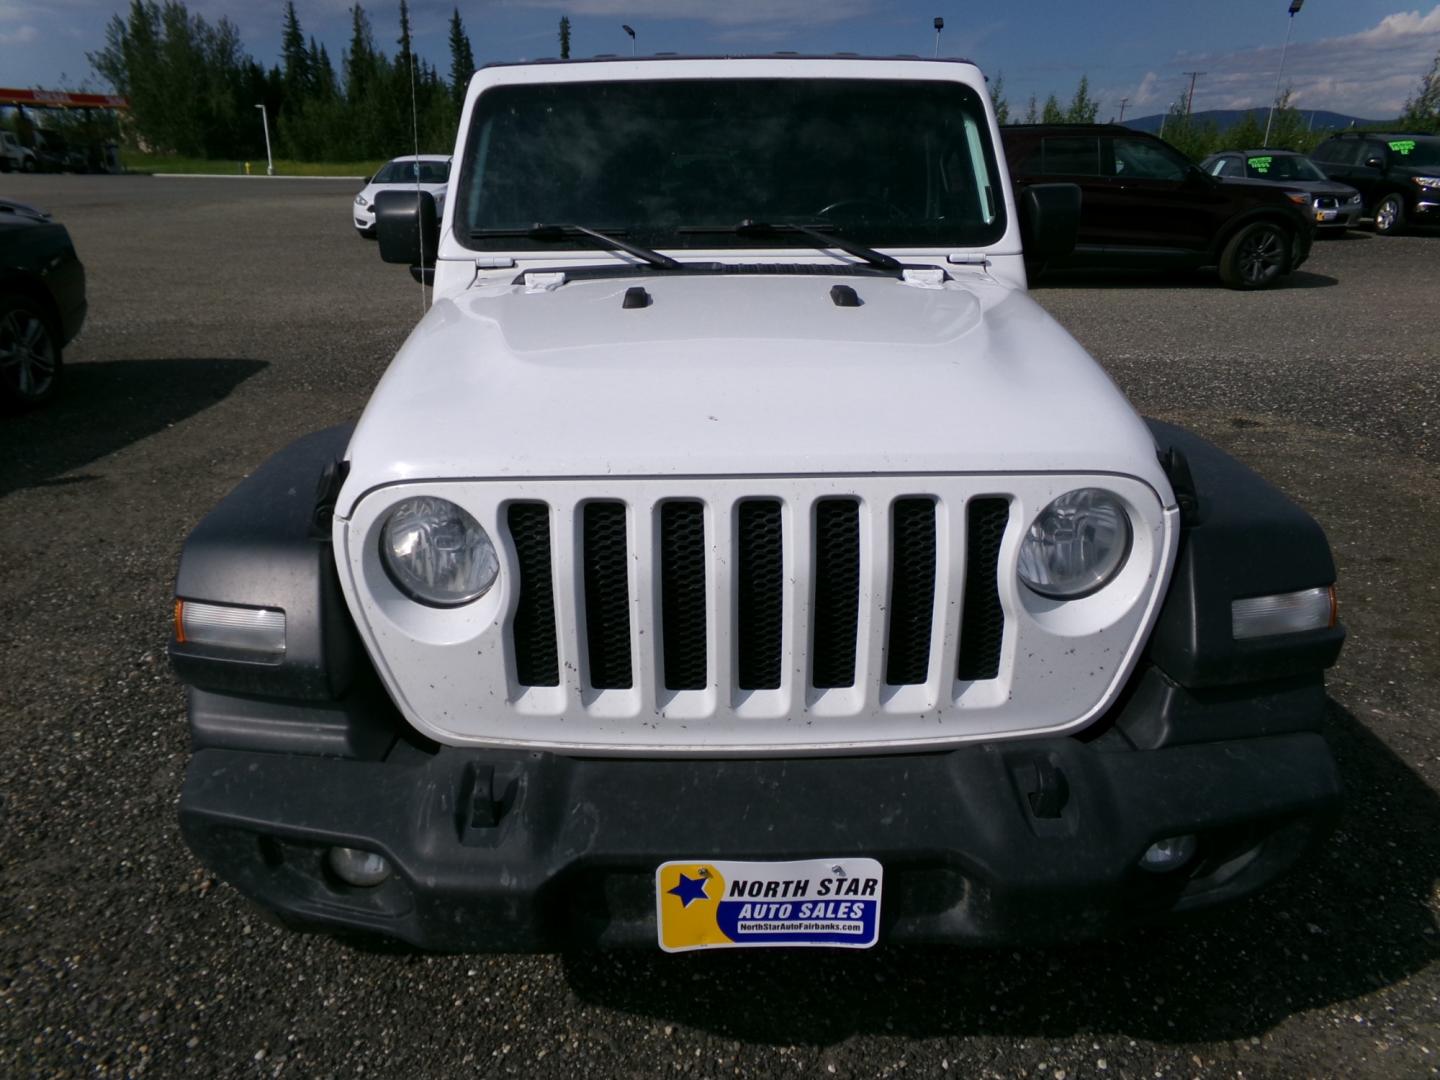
[{"x": 856, "y": 209}]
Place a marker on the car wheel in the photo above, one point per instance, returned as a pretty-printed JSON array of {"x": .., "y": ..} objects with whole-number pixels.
[
  {"x": 1390, "y": 215},
  {"x": 28, "y": 165},
  {"x": 1255, "y": 257},
  {"x": 29, "y": 355}
]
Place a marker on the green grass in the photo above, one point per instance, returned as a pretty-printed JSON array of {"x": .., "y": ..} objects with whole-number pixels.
[{"x": 165, "y": 163}]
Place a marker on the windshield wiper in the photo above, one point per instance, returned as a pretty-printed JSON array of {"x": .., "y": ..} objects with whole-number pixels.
[
  {"x": 557, "y": 232},
  {"x": 877, "y": 259}
]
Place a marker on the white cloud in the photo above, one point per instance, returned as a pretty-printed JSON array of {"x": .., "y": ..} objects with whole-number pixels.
[
  {"x": 1367, "y": 74},
  {"x": 727, "y": 13},
  {"x": 23, "y": 35}
]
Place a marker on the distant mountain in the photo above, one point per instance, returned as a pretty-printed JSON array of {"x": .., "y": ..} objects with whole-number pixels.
[{"x": 1318, "y": 119}]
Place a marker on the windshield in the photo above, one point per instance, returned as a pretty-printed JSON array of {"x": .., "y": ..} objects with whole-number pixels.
[
  {"x": 881, "y": 162},
  {"x": 1419, "y": 151},
  {"x": 406, "y": 172},
  {"x": 1281, "y": 167}
]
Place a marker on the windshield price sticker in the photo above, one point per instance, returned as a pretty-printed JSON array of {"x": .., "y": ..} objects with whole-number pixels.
[
  {"x": 1403, "y": 146},
  {"x": 729, "y": 905},
  {"x": 1259, "y": 164}
]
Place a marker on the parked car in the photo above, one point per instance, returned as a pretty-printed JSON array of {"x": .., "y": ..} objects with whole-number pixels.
[
  {"x": 735, "y": 555},
  {"x": 1145, "y": 204},
  {"x": 428, "y": 172},
  {"x": 15, "y": 156},
  {"x": 1337, "y": 206},
  {"x": 42, "y": 303},
  {"x": 1396, "y": 173}
]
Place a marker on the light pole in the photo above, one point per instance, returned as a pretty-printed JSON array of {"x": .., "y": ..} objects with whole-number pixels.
[
  {"x": 265, "y": 122},
  {"x": 1123, "y": 102},
  {"x": 1168, "y": 110},
  {"x": 939, "y": 25},
  {"x": 631, "y": 31},
  {"x": 1295, "y": 6}
]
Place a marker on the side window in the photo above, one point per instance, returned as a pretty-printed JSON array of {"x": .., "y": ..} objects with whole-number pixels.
[
  {"x": 1375, "y": 150},
  {"x": 1140, "y": 159},
  {"x": 1329, "y": 150},
  {"x": 1229, "y": 167},
  {"x": 1072, "y": 156}
]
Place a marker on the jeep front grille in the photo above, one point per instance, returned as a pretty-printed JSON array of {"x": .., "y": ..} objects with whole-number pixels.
[
  {"x": 745, "y": 615},
  {"x": 834, "y": 539}
]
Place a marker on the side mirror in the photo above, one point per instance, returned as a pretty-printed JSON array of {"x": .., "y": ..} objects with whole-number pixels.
[
  {"x": 407, "y": 226},
  {"x": 1049, "y": 220},
  {"x": 1374, "y": 163}
]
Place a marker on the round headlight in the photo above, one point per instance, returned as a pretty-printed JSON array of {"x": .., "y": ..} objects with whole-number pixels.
[
  {"x": 1075, "y": 545},
  {"x": 436, "y": 553}
]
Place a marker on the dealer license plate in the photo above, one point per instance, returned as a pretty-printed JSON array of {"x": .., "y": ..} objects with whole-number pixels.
[
  {"x": 735, "y": 905},
  {"x": 1326, "y": 215}
]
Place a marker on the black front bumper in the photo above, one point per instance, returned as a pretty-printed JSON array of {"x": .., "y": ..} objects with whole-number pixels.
[{"x": 992, "y": 843}]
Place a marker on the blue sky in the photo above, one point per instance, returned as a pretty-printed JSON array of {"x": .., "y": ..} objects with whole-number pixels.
[{"x": 1362, "y": 57}]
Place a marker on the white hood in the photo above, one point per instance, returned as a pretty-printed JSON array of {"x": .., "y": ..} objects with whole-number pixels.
[{"x": 736, "y": 374}]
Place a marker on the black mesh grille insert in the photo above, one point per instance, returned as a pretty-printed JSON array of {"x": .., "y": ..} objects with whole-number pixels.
[
  {"x": 682, "y": 594},
  {"x": 760, "y": 574},
  {"x": 912, "y": 591},
  {"x": 837, "y": 593},
  {"x": 607, "y": 596},
  {"x": 533, "y": 631},
  {"x": 982, "y": 628}
]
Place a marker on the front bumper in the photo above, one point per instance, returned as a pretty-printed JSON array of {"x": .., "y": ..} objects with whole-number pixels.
[{"x": 993, "y": 843}]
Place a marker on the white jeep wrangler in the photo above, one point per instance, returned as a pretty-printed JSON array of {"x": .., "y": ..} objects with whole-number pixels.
[{"x": 736, "y": 555}]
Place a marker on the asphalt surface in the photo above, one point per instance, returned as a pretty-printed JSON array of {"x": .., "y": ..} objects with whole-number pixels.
[{"x": 228, "y": 317}]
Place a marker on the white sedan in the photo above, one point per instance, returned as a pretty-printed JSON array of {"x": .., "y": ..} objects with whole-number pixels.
[{"x": 428, "y": 172}]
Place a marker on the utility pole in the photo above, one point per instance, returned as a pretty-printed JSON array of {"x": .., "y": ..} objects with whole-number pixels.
[
  {"x": 1295, "y": 6},
  {"x": 1190, "y": 98},
  {"x": 1123, "y": 102},
  {"x": 1168, "y": 110}
]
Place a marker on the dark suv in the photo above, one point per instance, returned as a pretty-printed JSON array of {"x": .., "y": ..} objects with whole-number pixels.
[
  {"x": 1397, "y": 174},
  {"x": 1145, "y": 204}
]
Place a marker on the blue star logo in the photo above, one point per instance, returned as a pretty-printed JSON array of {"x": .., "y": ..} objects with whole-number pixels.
[{"x": 689, "y": 889}]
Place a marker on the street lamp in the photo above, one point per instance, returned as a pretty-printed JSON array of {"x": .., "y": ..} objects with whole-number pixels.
[
  {"x": 1295, "y": 6},
  {"x": 939, "y": 25},
  {"x": 631, "y": 31},
  {"x": 265, "y": 122}
]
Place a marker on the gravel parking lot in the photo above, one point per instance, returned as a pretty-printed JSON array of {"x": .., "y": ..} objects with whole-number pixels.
[{"x": 228, "y": 317}]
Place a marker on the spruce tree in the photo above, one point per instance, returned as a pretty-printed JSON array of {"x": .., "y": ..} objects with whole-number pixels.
[
  {"x": 564, "y": 37},
  {"x": 462, "y": 59}
]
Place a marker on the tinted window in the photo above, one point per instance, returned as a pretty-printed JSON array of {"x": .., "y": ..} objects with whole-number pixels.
[
  {"x": 1140, "y": 159},
  {"x": 1330, "y": 150},
  {"x": 1415, "y": 150},
  {"x": 1227, "y": 167},
  {"x": 408, "y": 172},
  {"x": 1281, "y": 167},
  {"x": 885, "y": 162},
  {"x": 1072, "y": 156}
]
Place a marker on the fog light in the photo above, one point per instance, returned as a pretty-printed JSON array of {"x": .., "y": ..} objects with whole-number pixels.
[
  {"x": 363, "y": 869},
  {"x": 1169, "y": 854},
  {"x": 228, "y": 630},
  {"x": 1283, "y": 613}
]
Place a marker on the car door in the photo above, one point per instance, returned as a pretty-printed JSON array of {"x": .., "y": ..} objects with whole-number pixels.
[
  {"x": 1344, "y": 162},
  {"x": 1075, "y": 159},
  {"x": 1159, "y": 204}
]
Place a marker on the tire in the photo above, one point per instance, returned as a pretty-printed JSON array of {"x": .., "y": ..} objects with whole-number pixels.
[
  {"x": 28, "y": 165},
  {"x": 30, "y": 358},
  {"x": 1256, "y": 257},
  {"x": 1390, "y": 214}
]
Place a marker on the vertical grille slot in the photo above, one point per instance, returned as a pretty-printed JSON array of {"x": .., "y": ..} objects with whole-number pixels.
[
  {"x": 982, "y": 628},
  {"x": 760, "y": 585},
  {"x": 682, "y": 594},
  {"x": 836, "y": 607},
  {"x": 536, "y": 660},
  {"x": 607, "y": 596},
  {"x": 912, "y": 591}
]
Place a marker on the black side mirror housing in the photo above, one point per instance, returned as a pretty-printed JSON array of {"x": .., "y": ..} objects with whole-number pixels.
[
  {"x": 407, "y": 226},
  {"x": 1049, "y": 220},
  {"x": 1374, "y": 163}
]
